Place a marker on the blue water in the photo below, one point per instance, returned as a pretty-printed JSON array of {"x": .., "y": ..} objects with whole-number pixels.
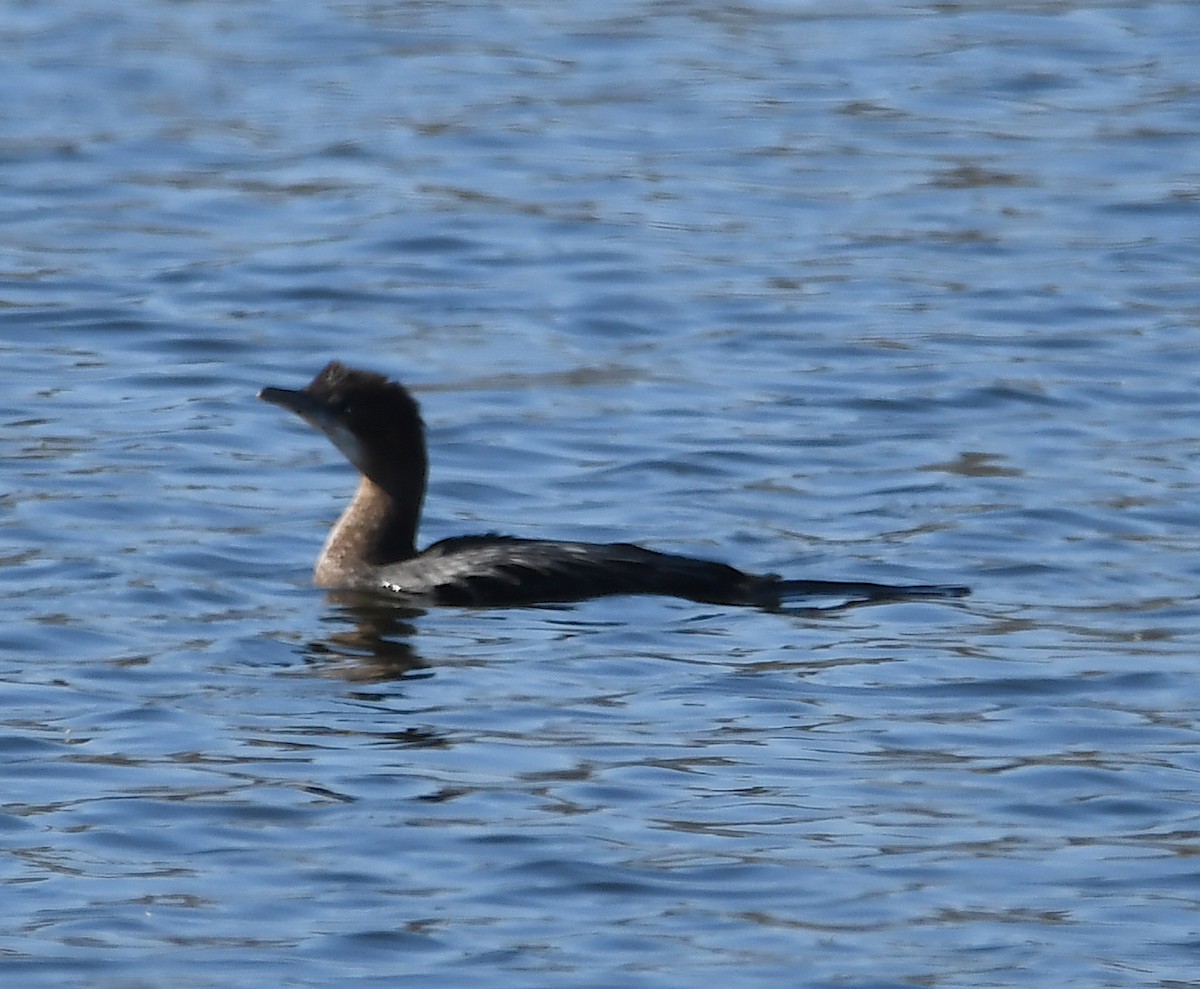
[{"x": 893, "y": 292}]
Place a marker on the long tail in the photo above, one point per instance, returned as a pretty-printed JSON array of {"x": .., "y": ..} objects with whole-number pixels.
[{"x": 864, "y": 590}]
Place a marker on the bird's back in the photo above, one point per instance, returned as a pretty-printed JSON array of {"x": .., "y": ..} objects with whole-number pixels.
[{"x": 505, "y": 570}]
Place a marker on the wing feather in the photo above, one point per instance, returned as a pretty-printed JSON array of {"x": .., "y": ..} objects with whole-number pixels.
[{"x": 505, "y": 570}]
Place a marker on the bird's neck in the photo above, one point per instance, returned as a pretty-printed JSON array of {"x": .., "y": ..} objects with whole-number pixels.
[{"x": 377, "y": 528}]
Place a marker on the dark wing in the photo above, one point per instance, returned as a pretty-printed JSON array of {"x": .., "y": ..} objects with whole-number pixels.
[{"x": 503, "y": 570}]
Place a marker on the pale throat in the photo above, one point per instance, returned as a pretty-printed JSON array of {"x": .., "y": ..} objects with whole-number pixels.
[{"x": 377, "y": 528}]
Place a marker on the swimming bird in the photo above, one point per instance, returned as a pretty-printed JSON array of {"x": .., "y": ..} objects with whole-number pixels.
[{"x": 377, "y": 426}]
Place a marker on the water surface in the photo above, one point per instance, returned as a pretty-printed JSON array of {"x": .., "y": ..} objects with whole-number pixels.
[{"x": 895, "y": 293}]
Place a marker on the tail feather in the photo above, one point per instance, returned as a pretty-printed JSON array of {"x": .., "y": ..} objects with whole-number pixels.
[{"x": 865, "y": 590}]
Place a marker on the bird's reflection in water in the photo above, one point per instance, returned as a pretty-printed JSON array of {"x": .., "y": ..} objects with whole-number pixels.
[{"x": 373, "y": 641}]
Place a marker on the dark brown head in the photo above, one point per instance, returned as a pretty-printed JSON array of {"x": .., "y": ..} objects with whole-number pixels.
[{"x": 375, "y": 422}]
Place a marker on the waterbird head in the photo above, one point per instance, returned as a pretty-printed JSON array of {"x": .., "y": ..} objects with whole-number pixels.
[{"x": 374, "y": 422}]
